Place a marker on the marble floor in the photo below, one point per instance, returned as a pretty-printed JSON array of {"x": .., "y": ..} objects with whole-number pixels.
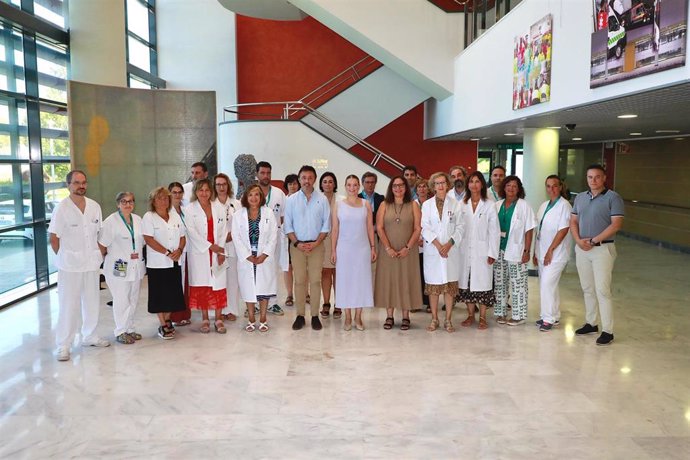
[{"x": 502, "y": 393}]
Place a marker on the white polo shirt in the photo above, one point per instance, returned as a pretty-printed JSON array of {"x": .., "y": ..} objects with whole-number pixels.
[
  {"x": 78, "y": 234},
  {"x": 168, "y": 234}
]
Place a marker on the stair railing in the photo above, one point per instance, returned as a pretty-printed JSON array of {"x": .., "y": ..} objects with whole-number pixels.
[{"x": 290, "y": 107}]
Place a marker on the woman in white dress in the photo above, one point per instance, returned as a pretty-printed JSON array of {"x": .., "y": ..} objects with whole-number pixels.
[
  {"x": 122, "y": 239},
  {"x": 552, "y": 250},
  {"x": 255, "y": 234},
  {"x": 225, "y": 195},
  {"x": 352, "y": 252}
]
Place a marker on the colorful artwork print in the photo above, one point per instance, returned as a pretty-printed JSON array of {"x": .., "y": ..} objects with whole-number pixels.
[
  {"x": 636, "y": 37},
  {"x": 532, "y": 65}
]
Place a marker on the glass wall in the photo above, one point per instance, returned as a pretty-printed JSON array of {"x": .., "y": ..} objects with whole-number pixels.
[
  {"x": 34, "y": 140},
  {"x": 480, "y": 15},
  {"x": 142, "y": 55}
]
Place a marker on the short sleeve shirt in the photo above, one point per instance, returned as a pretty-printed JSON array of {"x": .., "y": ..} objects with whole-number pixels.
[
  {"x": 78, "y": 234},
  {"x": 594, "y": 213},
  {"x": 168, "y": 234}
]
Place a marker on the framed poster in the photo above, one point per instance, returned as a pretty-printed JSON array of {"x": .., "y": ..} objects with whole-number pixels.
[{"x": 532, "y": 65}]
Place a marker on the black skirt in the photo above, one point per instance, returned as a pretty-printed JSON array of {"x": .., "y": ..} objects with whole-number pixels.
[{"x": 165, "y": 289}]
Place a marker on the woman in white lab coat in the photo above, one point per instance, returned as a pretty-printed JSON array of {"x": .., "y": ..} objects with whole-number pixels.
[
  {"x": 478, "y": 249},
  {"x": 441, "y": 233},
  {"x": 121, "y": 236},
  {"x": 206, "y": 232},
  {"x": 225, "y": 195},
  {"x": 516, "y": 220},
  {"x": 552, "y": 250},
  {"x": 255, "y": 234},
  {"x": 180, "y": 318}
]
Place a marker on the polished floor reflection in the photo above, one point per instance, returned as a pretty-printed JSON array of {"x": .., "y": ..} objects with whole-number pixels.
[{"x": 508, "y": 392}]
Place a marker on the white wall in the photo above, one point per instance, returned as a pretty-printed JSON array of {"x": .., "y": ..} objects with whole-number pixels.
[
  {"x": 483, "y": 72},
  {"x": 98, "y": 51},
  {"x": 368, "y": 106},
  {"x": 287, "y": 146},
  {"x": 413, "y": 37},
  {"x": 196, "y": 48}
]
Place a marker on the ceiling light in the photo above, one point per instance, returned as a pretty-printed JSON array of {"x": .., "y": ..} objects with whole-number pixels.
[
  {"x": 667, "y": 131},
  {"x": 553, "y": 127},
  {"x": 629, "y": 115},
  {"x": 474, "y": 138},
  {"x": 680, "y": 138},
  {"x": 510, "y": 134},
  {"x": 577, "y": 138},
  {"x": 486, "y": 137},
  {"x": 635, "y": 134}
]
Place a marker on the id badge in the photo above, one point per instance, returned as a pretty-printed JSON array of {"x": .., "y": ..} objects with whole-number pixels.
[
  {"x": 120, "y": 268},
  {"x": 503, "y": 234},
  {"x": 255, "y": 248},
  {"x": 134, "y": 256}
]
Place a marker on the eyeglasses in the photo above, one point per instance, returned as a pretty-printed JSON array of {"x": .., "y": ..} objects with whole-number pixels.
[
  {"x": 177, "y": 192},
  {"x": 398, "y": 185},
  {"x": 126, "y": 201},
  {"x": 221, "y": 185}
]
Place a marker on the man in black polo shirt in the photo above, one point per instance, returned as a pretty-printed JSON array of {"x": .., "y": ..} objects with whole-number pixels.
[{"x": 596, "y": 218}]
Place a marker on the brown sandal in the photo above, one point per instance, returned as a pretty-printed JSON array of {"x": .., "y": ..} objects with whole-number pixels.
[
  {"x": 389, "y": 323},
  {"x": 290, "y": 301},
  {"x": 326, "y": 310},
  {"x": 433, "y": 325},
  {"x": 337, "y": 312},
  {"x": 483, "y": 324},
  {"x": 405, "y": 326},
  {"x": 468, "y": 322}
]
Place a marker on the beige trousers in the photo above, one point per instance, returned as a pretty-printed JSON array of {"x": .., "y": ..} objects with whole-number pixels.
[{"x": 307, "y": 268}]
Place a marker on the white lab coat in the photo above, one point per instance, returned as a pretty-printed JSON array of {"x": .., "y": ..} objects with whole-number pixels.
[
  {"x": 522, "y": 221},
  {"x": 439, "y": 270},
  {"x": 232, "y": 206},
  {"x": 481, "y": 236},
  {"x": 201, "y": 273},
  {"x": 116, "y": 238},
  {"x": 266, "y": 273}
]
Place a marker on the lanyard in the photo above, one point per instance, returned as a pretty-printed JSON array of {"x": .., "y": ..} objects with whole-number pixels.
[
  {"x": 548, "y": 208},
  {"x": 503, "y": 213},
  {"x": 494, "y": 193},
  {"x": 181, "y": 214},
  {"x": 268, "y": 197},
  {"x": 130, "y": 228}
]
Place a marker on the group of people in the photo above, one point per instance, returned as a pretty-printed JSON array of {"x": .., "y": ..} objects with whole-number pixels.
[{"x": 452, "y": 236}]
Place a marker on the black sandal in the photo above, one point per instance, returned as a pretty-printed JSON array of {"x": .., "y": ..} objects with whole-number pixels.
[
  {"x": 326, "y": 310},
  {"x": 389, "y": 323},
  {"x": 405, "y": 324},
  {"x": 337, "y": 312}
]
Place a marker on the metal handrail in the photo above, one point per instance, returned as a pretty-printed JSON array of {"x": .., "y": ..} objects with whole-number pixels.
[
  {"x": 350, "y": 73},
  {"x": 288, "y": 106}
]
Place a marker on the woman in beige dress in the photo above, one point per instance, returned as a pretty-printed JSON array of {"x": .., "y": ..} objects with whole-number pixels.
[{"x": 398, "y": 223}]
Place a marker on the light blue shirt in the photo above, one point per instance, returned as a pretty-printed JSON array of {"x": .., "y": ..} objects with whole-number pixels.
[
  {"x": 307, "y": 219},
  {"x": 370, "y": 199}
]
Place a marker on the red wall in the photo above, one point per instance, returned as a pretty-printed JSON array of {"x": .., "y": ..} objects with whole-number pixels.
[
  {"x": 285, "y": 60},
  {"x": 403, "y": 140}
]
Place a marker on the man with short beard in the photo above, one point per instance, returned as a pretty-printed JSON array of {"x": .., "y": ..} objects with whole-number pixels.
[
  {"x": 458, "y": 174},
  {"x": 73, "y": 229}
]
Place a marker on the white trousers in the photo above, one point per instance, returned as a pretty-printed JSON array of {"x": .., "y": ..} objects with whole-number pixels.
[
  {"x": 595, "y": 268},
  {"x": 77, "y": 296},
  {"x": 125, "y": 299},
  {"x": 233, "y": 287},
  {"x": 549, "y": 277}
]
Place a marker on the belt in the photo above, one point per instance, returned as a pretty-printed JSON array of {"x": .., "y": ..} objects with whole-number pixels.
[
  {"x": 603, "y": 242},
  {"x": 303, "y": 241}
]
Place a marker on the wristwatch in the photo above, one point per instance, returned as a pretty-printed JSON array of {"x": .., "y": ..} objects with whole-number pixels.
[{"x": 295, "y": 243}]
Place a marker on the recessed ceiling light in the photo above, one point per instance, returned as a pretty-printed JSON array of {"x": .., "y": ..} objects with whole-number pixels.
[
  {"x": 474, "y": 138},
  {"x": 635, "y": 134},
  {"x": 486, "y": 137},
  {"x": 667, "y": 131},
  {"x": 577, "y": 138},
  {"x": 510, "y": 134},
  {"x": 553, "y": 127},
  {"x": 523, "y": 118},
  {"x": 680, "y": 138},
  {"x": 629, "y": 115}
]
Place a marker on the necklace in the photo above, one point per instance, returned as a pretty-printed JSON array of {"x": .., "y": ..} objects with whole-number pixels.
[{"x": 397, "y": 213}]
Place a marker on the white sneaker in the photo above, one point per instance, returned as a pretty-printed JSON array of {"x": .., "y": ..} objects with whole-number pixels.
[
  {"x": 63, "y": 354},
  {"x": 95, "y": 342}
]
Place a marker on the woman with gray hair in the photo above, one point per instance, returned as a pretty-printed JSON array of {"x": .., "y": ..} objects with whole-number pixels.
[{"x": 122, "y": 242}]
